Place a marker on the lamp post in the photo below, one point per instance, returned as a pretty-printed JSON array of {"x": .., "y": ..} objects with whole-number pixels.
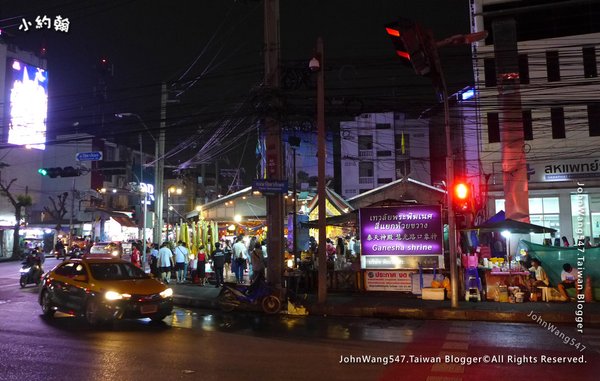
[
  {"x": 294, "y": 142},
  {"x": 170, "y": 191},
  {"x": 145, "y": 199}
]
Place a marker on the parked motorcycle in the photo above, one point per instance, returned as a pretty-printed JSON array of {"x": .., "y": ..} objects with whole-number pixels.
[
  {"x": 259, "y": 293},
  {"x": 31, "y": 271}
]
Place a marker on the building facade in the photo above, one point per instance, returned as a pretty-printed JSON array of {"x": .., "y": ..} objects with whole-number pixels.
[
  {"x": 542, "y": 93},
  {"x": 377, "y": 149}
]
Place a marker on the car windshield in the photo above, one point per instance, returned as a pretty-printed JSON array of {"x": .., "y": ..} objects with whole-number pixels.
[{"x": 116, "y": 271}]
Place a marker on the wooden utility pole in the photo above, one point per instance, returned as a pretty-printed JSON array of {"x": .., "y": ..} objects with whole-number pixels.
[
  {"x": 321, "y": 194},
  {"x": 273, "y": 146}
]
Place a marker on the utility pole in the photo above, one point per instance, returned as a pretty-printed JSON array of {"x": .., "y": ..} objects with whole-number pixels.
[
  {"x": 321, "y": 194},
  {"x": 273, "y": 146},
  {"x": 145, "y": 203},
  {"x": 72, "y": 212},
  {"x": 159, "y": 168}
]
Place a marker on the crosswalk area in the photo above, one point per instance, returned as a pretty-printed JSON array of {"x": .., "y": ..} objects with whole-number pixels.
[{"x": 467, "y": 350}]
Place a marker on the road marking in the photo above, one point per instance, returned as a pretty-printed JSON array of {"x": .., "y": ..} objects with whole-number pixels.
[
  {"x": 443, "y": 378},
  {"x": 457, "y": 337},
  {"x": 456, "y": 345},
  {"x": 448, "y": 368}
]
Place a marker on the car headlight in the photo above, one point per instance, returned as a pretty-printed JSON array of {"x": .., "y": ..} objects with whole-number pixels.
[
  {"x": 115, "y": 253},
  {"x": 113, "y": 295},
  {"x": 167, "y": 293}
]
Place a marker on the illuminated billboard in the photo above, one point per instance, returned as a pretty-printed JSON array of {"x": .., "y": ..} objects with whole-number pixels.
[
  {"x": 27, "y": 104},
  {"x": 402, "y": 237}
]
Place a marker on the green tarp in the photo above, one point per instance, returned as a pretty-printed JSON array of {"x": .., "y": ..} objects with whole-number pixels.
[{"x": 553, "y": 258}]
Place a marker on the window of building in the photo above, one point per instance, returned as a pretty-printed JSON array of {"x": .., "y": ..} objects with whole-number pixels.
[
  {"x": 384, "y": 153},
  {"x": 543, "y": 211},
  {"x": 385, "y": 180},
  {"x": 564, "y": 18},
  {"x": 402, "y": 149},
  {"x": 590, "y": 69},
  {"x": 493, "y": 127},
  {"x": 402, "y": 168},
  {"x": 489, "y": 70},
  {"x": 553, "y": 66},
  {"x": 557, "y": 115},
  {"x": 580, "y": 216},
  {"x": 594, "y": 118},
  {"x": 383, "y": 126},
  {"x": 527, "y": 125},
  {"x": 524, "y": 69},
  {"x": 365, "y": 169},
  {"x": 365, "y": 142}
]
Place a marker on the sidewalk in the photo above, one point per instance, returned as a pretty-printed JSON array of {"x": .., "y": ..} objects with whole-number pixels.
[{"x": 394, "y": 305}]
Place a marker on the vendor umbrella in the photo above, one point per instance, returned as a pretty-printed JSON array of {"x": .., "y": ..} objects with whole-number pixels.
[{"x": 513, "y": 226}]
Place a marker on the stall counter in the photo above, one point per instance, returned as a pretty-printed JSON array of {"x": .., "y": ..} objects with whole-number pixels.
[{"x": 505, "y": 278}]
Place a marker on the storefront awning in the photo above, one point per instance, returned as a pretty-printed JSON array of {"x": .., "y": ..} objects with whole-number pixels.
[{"x": 125, "y": 221}]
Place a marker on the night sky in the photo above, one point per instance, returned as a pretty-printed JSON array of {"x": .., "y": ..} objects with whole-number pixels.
[{"x": 210, "y": 54}]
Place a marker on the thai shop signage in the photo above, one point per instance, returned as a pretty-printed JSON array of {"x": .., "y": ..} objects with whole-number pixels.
[
  {"x": 386, "y": 280},
  {"x": 405, "y": 236},
  {"x": 564, "y": 170}
]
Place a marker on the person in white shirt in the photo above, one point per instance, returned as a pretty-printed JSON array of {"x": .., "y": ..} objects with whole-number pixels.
[
  {"x": 568, "y": 279},
  {"x": 165, "y": 261},
  {"x": 541, "y": 278},
  {"x": 182, "y": 259},
  {"x": 239, "y": 257}
]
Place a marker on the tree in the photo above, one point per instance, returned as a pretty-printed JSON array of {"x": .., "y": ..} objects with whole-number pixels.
[
  {"x": 302, "y": 177},
  {"x": 19, "y": 202},
  {"x": 58, "y": 210}
]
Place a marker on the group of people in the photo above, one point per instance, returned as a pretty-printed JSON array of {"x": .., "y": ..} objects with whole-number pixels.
[
  {"x": 237, "y": 257},
  {"x": 226, "y": 258},
  {"x": 568, "y": 278}
]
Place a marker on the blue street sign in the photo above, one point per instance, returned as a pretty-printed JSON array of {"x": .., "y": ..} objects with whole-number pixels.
[
  {"x": 89, "y": 156},
  {"x": 270, "y": 186}
]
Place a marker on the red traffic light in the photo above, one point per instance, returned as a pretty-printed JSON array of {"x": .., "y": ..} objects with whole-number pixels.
[
  {"x": 462, "y": 197},
  {"x": 461, "y": 191}
]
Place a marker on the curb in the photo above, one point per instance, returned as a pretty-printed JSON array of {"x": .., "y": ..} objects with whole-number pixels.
[{"x": 591, "y": 320}]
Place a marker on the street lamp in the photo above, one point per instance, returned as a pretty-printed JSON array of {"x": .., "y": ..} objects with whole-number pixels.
[
  {"x": 171, "y": 190},
  {"x": 294, "y": 142},
  {"x": 145, "y": 199}
]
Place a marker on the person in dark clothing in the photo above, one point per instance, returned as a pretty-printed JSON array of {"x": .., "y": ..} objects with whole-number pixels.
[{"x": 218, "y": 262}]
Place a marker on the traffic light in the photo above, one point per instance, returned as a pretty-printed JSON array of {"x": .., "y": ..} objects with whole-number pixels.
[
  {"x": 413, "y": 45},
  {"x": 462, "y": 197},
  {"x": 109, "y": 168},
  {"x": 59, "y": 172}
]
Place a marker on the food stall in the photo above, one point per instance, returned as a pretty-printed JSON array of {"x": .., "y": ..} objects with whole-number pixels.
[{"x": 505, "y": 278}]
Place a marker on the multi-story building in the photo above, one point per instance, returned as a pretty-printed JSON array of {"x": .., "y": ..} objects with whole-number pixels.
[
  {"x": 537, "y": 84},
  {"x": 379, "y": 148}
]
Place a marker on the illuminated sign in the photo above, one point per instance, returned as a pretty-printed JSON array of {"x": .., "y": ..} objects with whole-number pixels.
[
  {"x": 411, "y": 230},
  {"x": 28, "y": 105}
]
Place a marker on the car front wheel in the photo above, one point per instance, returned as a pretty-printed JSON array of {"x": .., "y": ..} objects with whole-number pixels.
[
  {"x": 47, "y": 308},
  {"x": 92, "y": 313}
]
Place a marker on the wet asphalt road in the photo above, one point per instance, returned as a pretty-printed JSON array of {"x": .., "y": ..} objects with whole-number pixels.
[{"x": 211, "y": 345}]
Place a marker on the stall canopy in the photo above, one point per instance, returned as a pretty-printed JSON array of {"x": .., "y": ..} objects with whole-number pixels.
[{"x": 497, "y": 224}]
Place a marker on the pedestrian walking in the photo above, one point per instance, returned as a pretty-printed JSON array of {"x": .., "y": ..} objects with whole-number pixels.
[
  {"x": 154, "y": 260},
  {"x": 258, "y": 262},
  {"x": 201, "y": 266},
  {"x": 182, "y": 258},
  {"x": 228, "y": 253},
  {"x": 165, "y": 262},
  {"x": 218, "y": 261},
  {"x": 136, "y": 258},
  {"x": 239, "y": 257}
]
